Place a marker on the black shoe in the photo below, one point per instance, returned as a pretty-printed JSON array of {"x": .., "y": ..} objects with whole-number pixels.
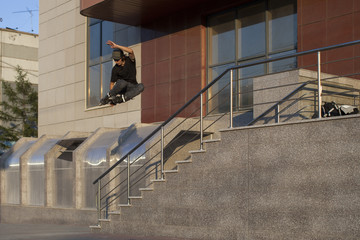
[
  {"x": 105, "y": 100},
  {"x": 118, "y": 99},
  {"x": 112, "y": 100}
]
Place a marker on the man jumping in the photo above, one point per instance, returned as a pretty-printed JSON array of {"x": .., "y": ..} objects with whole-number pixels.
[{"x": 123, "y": 83}]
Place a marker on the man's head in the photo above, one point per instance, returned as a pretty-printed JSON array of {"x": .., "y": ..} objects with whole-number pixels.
[{"x": 118, "y": 55}]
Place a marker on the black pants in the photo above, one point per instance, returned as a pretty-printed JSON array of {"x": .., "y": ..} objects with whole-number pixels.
[{"x": 129, "y": 90}]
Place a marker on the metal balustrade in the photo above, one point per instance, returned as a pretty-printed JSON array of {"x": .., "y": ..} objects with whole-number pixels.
[{"x": 197, "y": 121}]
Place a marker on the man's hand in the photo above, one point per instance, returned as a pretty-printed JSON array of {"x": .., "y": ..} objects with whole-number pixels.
[
  {"x": 126, "y": 49},
  {"x": 111, "y": 44}
]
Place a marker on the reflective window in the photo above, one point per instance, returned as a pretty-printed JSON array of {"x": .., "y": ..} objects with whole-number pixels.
[
  {"x": 222, "y": 38},
  {"x": 94, "y": 89},
  {"x": 282, "y": 26},
  {"x": 219, "y": 92},
  {"x": 106, "y": 75},
  {"x": 251, "y": 31},
  {"x": 254, "y": 31},
  {"x": 94, "y": 43},
  {"x": 282, "y": 65},
  {"x": 99, "y": 60},
  {"x": 245, "y": 83}
]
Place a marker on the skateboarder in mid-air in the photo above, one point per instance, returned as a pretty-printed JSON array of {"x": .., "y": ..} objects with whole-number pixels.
[{"x": 123, "y": 83}]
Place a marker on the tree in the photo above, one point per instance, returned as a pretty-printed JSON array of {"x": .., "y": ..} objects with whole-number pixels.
[{"x": 19, "y": 110}]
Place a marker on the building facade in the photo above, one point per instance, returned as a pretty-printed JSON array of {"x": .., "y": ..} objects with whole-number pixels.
[
  {"x": 197, "y": 175},
  {"x": 64, "y": 95},
  {"x": 177, "y": 52},
  {"x": 18, "y": 48}
]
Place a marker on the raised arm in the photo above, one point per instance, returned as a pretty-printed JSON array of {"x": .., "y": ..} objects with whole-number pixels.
[{"x": 125, "y": 49}]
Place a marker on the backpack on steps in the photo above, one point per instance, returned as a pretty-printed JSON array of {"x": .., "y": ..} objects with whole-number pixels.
[{"x": 330, "y": 109}]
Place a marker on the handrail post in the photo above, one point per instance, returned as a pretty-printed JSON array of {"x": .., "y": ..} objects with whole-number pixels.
[
  {"x": 201, "y": 122},
  {"x": 128, "y": 178},
  {"x": 99, "y": 199},
  {"x": 319, "y": 83},
  {"x": 277, "y": 112},
  {"x": 231, "y": 98},
  {"x": 162, "y": 152}
]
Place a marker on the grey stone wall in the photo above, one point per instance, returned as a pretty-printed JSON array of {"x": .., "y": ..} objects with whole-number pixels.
[
  {"x": 286, "y": 181},
  {"x": 40, "y": 215},
  {"x": 279, "y": 181}
]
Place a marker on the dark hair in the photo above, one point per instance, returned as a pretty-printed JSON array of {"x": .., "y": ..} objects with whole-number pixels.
[{"x": 118, "y": 54}]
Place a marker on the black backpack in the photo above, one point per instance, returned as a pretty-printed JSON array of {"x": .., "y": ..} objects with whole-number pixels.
[{"x": 330, "y": 109}]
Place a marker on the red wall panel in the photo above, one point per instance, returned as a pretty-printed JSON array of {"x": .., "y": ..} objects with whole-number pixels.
[
  {"x": 172, "y": 63},
  {"x": 323, "y": 23}
]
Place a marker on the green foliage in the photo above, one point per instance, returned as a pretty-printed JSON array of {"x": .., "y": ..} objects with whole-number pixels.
[{"x": 19, "y": 110}]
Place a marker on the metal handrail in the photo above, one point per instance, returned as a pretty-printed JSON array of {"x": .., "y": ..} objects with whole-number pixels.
[
  {"x": 301, "y": 87},
  {"x": 257, "y": 62}
]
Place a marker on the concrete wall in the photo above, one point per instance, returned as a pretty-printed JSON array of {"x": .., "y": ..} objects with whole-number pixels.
[
  {"x": 286, "y": 181},
  {"x": 40, "y": 215},
  {"x": 62, "y": 80},
  {"x": 270, "y": 89}
]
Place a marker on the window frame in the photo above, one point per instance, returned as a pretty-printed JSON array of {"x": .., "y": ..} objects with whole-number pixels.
[
  {"x": 238, "y": 60},
  {"x": 103, "y": 60}
]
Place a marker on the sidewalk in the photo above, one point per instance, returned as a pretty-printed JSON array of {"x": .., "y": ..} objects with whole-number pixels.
[{"x": 59, "y": 232}]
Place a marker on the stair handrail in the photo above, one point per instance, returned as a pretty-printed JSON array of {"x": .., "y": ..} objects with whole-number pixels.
[
  {"x": 253, "y": 63},
  {"x": 287, "y": 97}
]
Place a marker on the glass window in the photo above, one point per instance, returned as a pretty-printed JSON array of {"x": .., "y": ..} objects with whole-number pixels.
[
  {"x": 94, "y": 43},
  {"x": 94, "y": 85},
  {"x": 107, "y": 33},
  {"x": 252, "y": 31},
  {"x": 99, "y": 62},
  {"x": 106, "y": 75},
  {"x": 222, "y": 38},
  {"x": 245, "y": 83},
  {"x": 219, "y": 92},
  {"x": 282, "y": 65},
  {"x": 282, "y": 26}
]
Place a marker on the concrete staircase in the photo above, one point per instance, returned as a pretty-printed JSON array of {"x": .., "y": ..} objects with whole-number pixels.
[{"x": 279, "y": 181}]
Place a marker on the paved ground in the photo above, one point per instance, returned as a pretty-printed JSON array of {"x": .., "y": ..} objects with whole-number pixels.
[{"x": 58, "y": 232}]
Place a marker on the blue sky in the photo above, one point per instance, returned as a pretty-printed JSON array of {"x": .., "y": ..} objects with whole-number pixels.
[{"x": 16, "y": 14}]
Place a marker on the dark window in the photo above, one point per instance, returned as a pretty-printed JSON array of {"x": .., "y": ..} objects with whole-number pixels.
[{"x": 250, "y": 32}]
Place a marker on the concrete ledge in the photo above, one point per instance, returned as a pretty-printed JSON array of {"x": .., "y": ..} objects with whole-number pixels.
[
  {"x": 291, "y": 123},
  {"x": 197, "y": 151},
  {"x": 211, "y": 140},
  {"x": 46, "y": 215},
  {"x": 183, "y": 161},
  {"x": 104, "y": 220}
]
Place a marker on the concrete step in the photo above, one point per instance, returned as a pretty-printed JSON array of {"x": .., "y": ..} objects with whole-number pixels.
[
  {"x": 124, "y": 205},
  {"x": 171, "y": 171},
  {"x": 197, "y": 151},
  {"x": 183, "y": 161},
  {"x": 114, "y": 213},
  {"x": 211, "y": 140},
  {"x": 104, "y": 220},
  {"x": 95, "y": 227},
  {"x": 158, "y": 180},
  {"x": 135, "y": 197},
  {"x": 146, "y": 189}
]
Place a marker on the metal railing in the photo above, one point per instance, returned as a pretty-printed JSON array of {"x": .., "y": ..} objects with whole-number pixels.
[{"x": 196, "y": 121}]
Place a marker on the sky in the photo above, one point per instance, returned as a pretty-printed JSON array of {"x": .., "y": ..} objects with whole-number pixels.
[{"x": 22, "y": 15}]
